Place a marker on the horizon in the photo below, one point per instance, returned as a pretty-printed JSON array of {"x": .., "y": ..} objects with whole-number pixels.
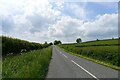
[
  {"x": 37, "y": 21},
  {"x": 65, "y": 42}
]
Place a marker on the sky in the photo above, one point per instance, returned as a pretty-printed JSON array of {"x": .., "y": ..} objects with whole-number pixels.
[{"x": 45, "y": 20}]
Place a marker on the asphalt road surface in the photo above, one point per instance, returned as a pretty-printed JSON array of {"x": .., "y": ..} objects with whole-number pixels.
[{"x": 65, "y": 65}]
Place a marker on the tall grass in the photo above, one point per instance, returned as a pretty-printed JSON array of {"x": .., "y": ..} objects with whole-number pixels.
[
  {"x": 0, "y": 69},
  {"x": 32, "y": 64}
]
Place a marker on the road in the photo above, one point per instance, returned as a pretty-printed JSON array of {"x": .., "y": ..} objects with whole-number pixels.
[{"x": 65, "y": 65}]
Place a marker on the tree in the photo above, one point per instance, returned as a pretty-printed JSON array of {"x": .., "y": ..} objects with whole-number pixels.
[
  {"x": 57, "y": 42},
  {"x": 78, "y": 40},
  {"x": 45, "y": 42},
  {"x": 50, "y": 43},
  {"x": 97, "y": 39}
]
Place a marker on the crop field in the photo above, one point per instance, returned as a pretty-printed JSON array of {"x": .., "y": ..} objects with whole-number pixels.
[
  {"x": 33, "y": 64},
  {"x": 103, "y": 50}
]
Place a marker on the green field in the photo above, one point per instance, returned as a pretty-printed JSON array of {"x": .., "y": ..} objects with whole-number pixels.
[
  {"x": 102, "y": 51},
  {"x": 33, "y": 64},
  {"x": 108, "y": 42}
]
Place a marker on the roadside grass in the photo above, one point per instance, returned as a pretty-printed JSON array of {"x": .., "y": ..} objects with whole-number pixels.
[
  {"x": 105, "y": 55},
  {"x": 0, "y": 69},
  {"x": 32, "y": 64}
]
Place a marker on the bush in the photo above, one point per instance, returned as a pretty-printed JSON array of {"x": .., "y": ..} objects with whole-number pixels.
[{"x": 15, "y": 46}]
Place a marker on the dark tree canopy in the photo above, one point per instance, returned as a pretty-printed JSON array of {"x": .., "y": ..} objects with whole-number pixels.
[
  {"x": 57, "y": 42},
  {"x": 45, "y": 42},
  {"x": 97, "y": 39},
  {"x": 50, "y": 43},
  {"x": 78, "y": 40}
]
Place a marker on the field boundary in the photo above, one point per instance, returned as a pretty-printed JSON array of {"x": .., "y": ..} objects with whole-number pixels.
[{"x": 99, "y": 45}]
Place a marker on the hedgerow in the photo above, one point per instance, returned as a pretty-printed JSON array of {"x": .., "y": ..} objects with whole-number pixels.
[{"x": 16, "y": 46}]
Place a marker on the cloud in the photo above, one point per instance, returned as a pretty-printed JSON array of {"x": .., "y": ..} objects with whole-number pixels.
[
  {"x": 65, "y": 24},
  {"x": 68, "y": 29},
  {"x": 105, "y": 26},
  {"x": 40, "y": 14},
  {"x": 78, "y": 9},
  {"x": 7, "y": 24},
  {"x": 34, "y": 19},
  {"x": 41, "y": 21},
  {"x": 22, "y": 24},
  {"x": 90, "y": 0}
]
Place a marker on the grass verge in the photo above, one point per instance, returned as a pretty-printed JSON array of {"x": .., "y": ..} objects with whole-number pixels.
[
  {"x": 94, "y": 60},
  {"x": 0, "y": 69},
  {"x": 32, "y": 64}
]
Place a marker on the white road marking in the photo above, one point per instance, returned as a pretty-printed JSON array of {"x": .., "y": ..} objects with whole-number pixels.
[
  {"x": 85, "y": 70},
  {"x": 64, "y": 55}
]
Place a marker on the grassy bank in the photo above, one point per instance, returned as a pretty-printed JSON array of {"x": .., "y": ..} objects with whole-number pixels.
[
  {"x": 97, "y": 51},
  {"x": 32, "y": 64},
  {"x": 0, "y": 69}
]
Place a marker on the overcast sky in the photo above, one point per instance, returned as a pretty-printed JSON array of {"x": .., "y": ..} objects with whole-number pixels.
[{"x": 45, "y": 20}]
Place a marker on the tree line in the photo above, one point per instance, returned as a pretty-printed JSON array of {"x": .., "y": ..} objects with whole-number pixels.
[
  {"x": 15, "y": 46},
  {"x": 56, "y": 42}
]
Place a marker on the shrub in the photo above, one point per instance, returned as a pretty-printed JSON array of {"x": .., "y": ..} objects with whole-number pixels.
[{"x": 15, "y": 46}]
